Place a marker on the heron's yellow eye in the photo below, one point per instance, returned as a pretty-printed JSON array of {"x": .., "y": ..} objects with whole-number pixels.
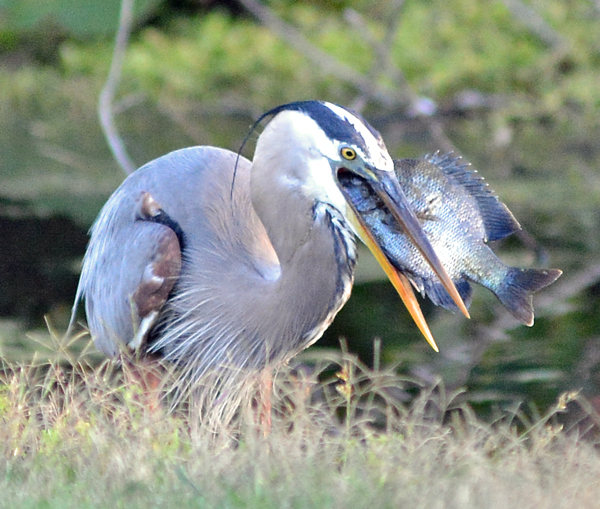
[{"x": 348, "y": 153}]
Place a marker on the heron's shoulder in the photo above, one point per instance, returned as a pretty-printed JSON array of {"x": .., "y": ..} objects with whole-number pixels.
[
  {"x": 180, "y": 182},
  {"x": 193, "y": 160},
  {"x": 183, "y": 174}
]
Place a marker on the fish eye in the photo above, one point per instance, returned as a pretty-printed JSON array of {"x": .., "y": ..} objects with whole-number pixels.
[{"x": 348, "y": 153}]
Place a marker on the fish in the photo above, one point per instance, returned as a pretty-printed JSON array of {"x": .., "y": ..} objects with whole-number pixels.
[{"x": 460, "y": 215}]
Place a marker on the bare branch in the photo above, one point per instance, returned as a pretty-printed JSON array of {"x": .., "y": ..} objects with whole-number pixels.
[
  {"x": 105, "y": 103},
  {"x": 382, "y": 64},
  {"x": 400, "y": 94},
  {"x": 326, "y": 62},
  {"x": 385, "y": 66},
  {"x": 537, "y": 25},
  {"x": 551, "y": 301}
]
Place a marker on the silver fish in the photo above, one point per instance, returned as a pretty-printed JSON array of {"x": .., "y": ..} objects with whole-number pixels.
[{"x": 459, "y": 215}]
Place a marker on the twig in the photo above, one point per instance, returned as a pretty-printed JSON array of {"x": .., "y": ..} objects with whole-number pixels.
[
  {"x": 552, "y": 299},
  {"x": 326, "y": 62},
  {"x": 384, "y": 65},
  {"x": 465, "y": 356},
  {"x": 105, "y": 103},
  {"x": 529, "y": 18},
  {"x": 402, "y": 93}
]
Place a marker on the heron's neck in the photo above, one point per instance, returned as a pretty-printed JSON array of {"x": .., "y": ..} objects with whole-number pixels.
[
  {"x": 317, "y": 254},
  {"x": 279, "y": 198}
]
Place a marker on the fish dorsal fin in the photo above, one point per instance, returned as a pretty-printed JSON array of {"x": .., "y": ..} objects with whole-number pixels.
[{"x": 498, "y": 221}]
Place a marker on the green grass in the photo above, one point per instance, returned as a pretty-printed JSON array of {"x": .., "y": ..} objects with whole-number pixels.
[{"x": 73, "y": 435}]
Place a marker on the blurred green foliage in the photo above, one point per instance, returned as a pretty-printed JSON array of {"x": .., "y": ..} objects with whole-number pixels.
[
  {"x": 74, "y": 18},
  {"x": 201, "y": 79}
]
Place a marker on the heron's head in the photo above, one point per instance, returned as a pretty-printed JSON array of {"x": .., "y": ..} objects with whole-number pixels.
[{"x": 309, "y": 145}]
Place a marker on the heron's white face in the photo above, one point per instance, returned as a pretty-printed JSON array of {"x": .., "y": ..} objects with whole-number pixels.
[{"x": 306, "y": 152}]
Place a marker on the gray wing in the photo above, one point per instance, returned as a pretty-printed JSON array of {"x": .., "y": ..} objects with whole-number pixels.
[
  {"x": 134, "y": 257},
  {"x": 131, "y": 266}
]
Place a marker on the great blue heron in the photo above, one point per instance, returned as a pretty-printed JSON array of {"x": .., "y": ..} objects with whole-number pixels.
[{"x": 213, "y": 261}]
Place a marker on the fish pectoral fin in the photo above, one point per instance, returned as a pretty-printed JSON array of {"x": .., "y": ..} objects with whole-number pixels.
[{"x": 440, "y": 297}]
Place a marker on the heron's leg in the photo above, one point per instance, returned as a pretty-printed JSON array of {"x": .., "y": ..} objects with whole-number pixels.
[
  {"x": 148, "y": 374},
  {"x": 265, "y": 394}
]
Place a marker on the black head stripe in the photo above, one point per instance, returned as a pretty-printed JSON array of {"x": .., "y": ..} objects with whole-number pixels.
[{"x": 333, "y": 125}]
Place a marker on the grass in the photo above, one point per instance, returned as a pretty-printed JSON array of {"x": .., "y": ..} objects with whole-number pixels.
[{"x": 72, "y": 435}]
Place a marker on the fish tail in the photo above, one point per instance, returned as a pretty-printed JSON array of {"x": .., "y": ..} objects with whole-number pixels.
[{"x": 517, "y": 289}]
